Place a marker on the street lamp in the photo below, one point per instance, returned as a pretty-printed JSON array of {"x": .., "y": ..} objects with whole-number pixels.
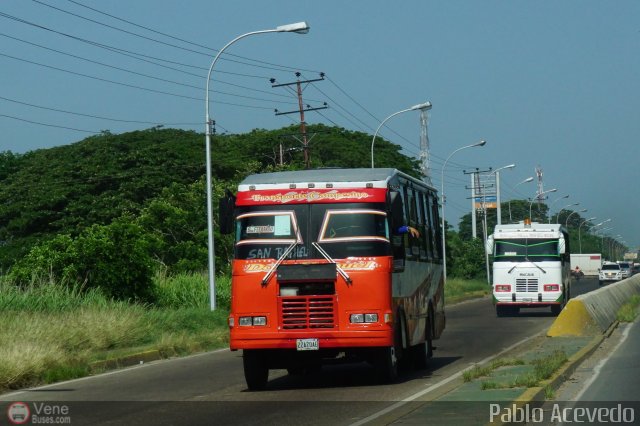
[
  {"x": 552, "y": 203},
  {"x": 579, "y": 236},
  {"x": 600, "y": 224},
  {"x": 529, "y": 179},
  {"x": 538, "y": 196},
  {"x": 566, "y": 225},
  {"x": 444, "y": 247},
  {"x": 499, "y": 210},
  {"x": 560, "y": 211},
  {"x": 602, "y": 231},
  {"x": 423, "y": 107},
  {"x": 298, "y": 27}
]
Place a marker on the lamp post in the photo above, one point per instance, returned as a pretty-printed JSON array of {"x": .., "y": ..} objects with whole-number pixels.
[
  {"x": 423, "y": 107},
  {"x": 499, "y": 210},
  {"x": 529, "y": 179},
  {"x": 602, "y": 231},
  {"x": 566, "y": 225},
  {"x": 560, "y": 211},
  {"x": 300, "y": 28},
  {"x": 552, "y": 203},
  {"x": 444, "y": 247},
  {"x": 579, "y": 236},
  {"x": 538, "y": 196}
]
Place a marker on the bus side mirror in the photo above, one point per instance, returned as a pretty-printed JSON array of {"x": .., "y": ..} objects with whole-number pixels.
[
  {"x": 489, "y": 245},
  {"x": 396, "y": 210},
  {"x": 562, "y": 246},
  {"x": 226, "y": 208}
]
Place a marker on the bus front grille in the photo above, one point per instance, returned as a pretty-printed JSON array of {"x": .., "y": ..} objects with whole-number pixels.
[
  {"x": 526, "y": 285},
  {"x": 307, "y": 312}
]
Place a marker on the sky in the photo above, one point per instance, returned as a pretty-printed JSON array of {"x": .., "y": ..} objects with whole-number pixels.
[{"x": 547, "y": 84}]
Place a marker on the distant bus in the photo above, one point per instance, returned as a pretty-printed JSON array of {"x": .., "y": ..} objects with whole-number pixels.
[
  {"x": 323, "y": 272},
  {"x": 531, "y": 267}
]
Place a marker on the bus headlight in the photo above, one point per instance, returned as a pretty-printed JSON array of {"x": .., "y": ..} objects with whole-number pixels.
[
  {"x": 370, "y": 317},
  {"x": 363, "y": 318},
  {"x": 249, "y": 321},
  {"x": 262, "y": 321},
  {"x": 356, "y": 318},
  {"x": 244, "y": 321}
]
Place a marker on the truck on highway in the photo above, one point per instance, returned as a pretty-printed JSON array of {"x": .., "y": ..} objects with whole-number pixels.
[
  {"x": 334, "y": 265},
  {"x": 531, "y": 267},
  {"x": 589, "y": 263}
]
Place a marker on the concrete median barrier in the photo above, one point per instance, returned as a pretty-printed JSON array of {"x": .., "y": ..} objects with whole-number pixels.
[{"x": 594, "y": 312}]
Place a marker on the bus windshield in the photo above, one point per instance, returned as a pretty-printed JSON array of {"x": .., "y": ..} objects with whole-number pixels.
[
  {"x": 520, "y": 250},
  {"x": 342, "y": 229},
  {"x": 347, "y": 225}
]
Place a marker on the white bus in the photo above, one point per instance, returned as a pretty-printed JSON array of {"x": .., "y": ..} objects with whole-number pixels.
[{"x": 531, "y": 267}]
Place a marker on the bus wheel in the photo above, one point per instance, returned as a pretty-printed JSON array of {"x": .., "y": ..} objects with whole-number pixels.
[
  {"x": 386, "y": 365},
  {"x": 423, "y": 351},
  {"x": 256, "y": 371}
]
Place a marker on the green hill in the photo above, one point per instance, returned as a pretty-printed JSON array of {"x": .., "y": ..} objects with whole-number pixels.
[{"x": 145, "y": 175}]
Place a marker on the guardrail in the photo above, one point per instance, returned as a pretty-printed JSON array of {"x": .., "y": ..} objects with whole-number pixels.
[{"x": 594, "y": 312}]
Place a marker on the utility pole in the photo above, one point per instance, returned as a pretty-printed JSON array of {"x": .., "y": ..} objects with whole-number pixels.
[
  {"x": 425, "y": 169},
  {"x": 540, "y": 186},
  {"x": 301, "y": 109},
  {"x": 475, "y": 195}
]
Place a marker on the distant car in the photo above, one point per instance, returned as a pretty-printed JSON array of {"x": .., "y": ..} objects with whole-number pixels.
[
  {"x": 625, "y": 267},
  {"x": 609, "y": 272}
]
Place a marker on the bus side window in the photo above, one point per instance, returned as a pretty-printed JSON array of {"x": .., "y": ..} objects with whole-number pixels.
[
  {"x": 407, "y": 198},
  {"x": 424, "y": 229},
  {"x": 397, "y": 219},
  {"x": 436, "y": 230}
]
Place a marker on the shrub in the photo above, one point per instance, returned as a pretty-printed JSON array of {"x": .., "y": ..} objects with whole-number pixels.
[{"x": 114, "y": 258}]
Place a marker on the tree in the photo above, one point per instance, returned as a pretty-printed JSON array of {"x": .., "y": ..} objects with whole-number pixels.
[{"x": 114, "y": 258}]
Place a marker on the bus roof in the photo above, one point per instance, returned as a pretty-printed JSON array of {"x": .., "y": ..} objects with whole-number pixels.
[
  {"x": 520, "y": 230},
  {"x": 379, "y": 178}
]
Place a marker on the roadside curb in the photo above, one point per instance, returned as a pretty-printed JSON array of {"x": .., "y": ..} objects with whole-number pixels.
[
  {"x": 126, "y": 361},
  {"x": 574, "y": 361}
]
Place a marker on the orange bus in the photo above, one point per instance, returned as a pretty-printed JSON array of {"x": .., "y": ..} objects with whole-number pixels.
[{"x": 325, "y": 270}]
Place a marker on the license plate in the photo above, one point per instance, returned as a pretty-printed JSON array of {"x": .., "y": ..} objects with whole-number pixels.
[
  {"x": 307, "y": 344},
  {"x": 527, "y": 299}
]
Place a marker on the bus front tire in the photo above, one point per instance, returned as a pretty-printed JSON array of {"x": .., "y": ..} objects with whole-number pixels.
[
  {"x": 386, "y": 365},
  {"x": 256, "y": 371},
  {"x": 501, "y": 311},
  {"x": 422, "y": 352}
]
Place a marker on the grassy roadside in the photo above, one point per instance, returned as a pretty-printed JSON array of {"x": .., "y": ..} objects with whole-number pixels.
[
  {"x": 629, "y": 311},
  {"x": 458, "y": 290},
  {"x": 49, "y": 332}
]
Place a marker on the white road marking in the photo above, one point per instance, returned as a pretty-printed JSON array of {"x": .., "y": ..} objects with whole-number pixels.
[{"x": 437, "y": 385}]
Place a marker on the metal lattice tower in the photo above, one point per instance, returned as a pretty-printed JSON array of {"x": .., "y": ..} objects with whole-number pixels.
[
  {"x": 540, "y": 186},
  {"x": 424, "y": 147}
]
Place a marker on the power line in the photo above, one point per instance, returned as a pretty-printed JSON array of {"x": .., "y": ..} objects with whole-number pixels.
[
  {"x": 97, "y": 116},
  {"x": 127, "y": 84},
  {"x": 151, "y": 76},
  {"x": 48, "y": 125},
  {"x": 285, "y": 67}
]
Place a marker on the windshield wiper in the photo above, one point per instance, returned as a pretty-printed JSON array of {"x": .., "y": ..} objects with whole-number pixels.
[
  {"x": 537, "y": 266},
  {"x": 527, "y": 260},
  {"x": 338, "y": 268},
  {"x": 270, "y": 272}
]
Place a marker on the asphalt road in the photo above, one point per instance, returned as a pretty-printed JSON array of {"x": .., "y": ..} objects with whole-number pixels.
[{"x": 210, "y": 389}]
